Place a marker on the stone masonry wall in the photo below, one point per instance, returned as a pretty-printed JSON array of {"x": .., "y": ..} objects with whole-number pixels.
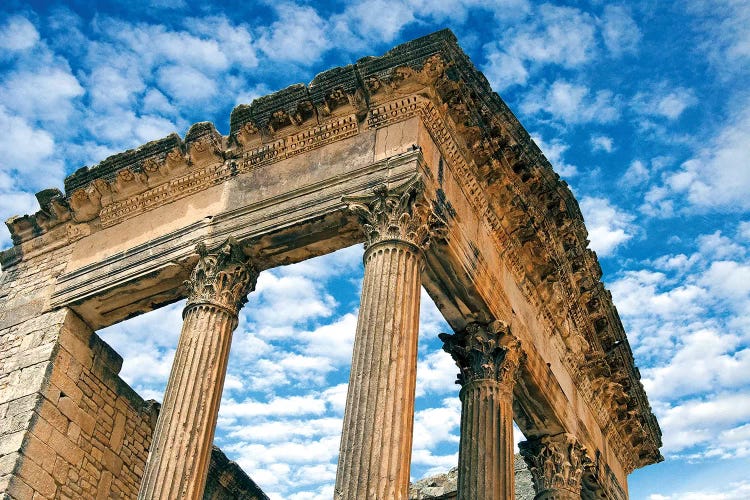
[
  {"x": 28, "y": 339},
  {"x": 88, "y": 431},
  {"x": 69, "y": 426}
]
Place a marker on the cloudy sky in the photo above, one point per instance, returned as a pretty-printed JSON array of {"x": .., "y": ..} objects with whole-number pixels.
[{"x": 642, "y": 106}]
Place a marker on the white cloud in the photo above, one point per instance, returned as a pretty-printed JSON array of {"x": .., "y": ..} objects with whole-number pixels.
[
  {"x": 147, "y": 344},
  {"x": 744, "y": 230},
  {"x": 234, "y": 41},
  {"x": 732, "y": 491},
  {"x": 288, "y": 406},
  {"x": 298, "y": 36},
  {"x": 334, "y": 340},
  {"x": 602, "y": 143},
  {"x": 572, "y": 103},
  {"x": 18, "y": 34},
  {"x": 14, "y": 202},
  {"x": 726, "y": 38},
  {"x": 431, "y": 321},
  {"x": 682, "y": 313},
  {"x": 298, "y": 296},
  {"x": 620, "y": 32},
  {"x": 503, "y": 69},
  {"x": 608, "y": 225},
  {"x": 705, "y": 361},
  {"x": 113, "y": 86},
  {"x": 645, "y": 290},
  {"x": 44, "y": 93},
  {"x": 436, "y": 374},
  {"x": 561, "y": 36},
  {"x": 358, "y": 23},
  {"x": 665, "y": 101},
  {"x": 433, "y": 426},
  {"x": 718, "y": 177},
  {"x": 186, "y": 84},
  {"x": 156, "y": 45},
  {"x": 26, "y": 152},
  {"x": 637, "y": 174},
  {"x": 701, "y": 421}
]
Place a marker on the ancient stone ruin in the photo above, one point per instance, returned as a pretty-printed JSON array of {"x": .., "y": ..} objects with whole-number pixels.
[{"x": 411, "y": 154}]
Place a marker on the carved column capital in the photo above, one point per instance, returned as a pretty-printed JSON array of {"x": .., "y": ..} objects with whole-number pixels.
[
  {"x": 556, "y": 464},
  {"x": 485, "y": 351},
  {"x": 400, "y": 213},
  {"x": 223, "y": 277}
]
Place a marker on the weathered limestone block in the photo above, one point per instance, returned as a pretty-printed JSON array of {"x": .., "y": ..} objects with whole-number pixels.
[
  {"x": 179, "y": 457},
  {"x": 376, "y": 441},
  {"x": 488, "y": 357}
]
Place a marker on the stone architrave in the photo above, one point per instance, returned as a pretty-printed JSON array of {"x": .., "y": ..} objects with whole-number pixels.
[
  {"x": 178, "y": 461},
  {"x": 488, "y": 357},
  {"x": 557, "y": 465},
  {"x": 376, "y": 440}
]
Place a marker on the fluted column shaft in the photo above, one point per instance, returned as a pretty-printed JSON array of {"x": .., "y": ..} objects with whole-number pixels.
[
  {"x": 556, "y": 464},
  {"x": 488, "y": 357},
  {"x": 485, "y": 456},
  {"x": 376, "y": 440},
  {"x": 180, "y": 451}
]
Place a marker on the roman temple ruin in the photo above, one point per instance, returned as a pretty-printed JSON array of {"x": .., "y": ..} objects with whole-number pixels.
[{"x": 410, "y": 153}]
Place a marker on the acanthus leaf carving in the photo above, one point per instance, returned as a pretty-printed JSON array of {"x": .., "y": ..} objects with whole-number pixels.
[
  {"x": 223, "y": 277},
  {"x": 557, "y": 464},
  {"x": 485, "y": 351},
  {"x": 400, "y": 213}
]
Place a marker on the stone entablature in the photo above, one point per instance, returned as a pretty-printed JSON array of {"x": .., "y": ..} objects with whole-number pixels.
[{"x": 530, "y": 214}]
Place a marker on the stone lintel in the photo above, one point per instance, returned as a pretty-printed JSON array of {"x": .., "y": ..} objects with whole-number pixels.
[{"x": 292, "y": 226}]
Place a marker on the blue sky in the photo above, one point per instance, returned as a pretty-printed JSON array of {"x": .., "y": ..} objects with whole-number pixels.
[{"x": 643, "y": 107}]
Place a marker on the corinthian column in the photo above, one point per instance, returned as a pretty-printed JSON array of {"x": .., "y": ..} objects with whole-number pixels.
[
  {"x": 376, "y": 440},
  {"x": 556, "y": 464},
  {"x": 181, "y": 446},
  {"x": 488, "y": 357}
]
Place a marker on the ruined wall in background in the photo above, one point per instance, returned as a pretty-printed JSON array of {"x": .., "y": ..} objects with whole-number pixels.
[{"x": 445, "y": 486}]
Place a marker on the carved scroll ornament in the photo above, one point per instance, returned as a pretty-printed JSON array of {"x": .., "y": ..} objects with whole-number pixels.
[
  {"x": 399, "y": 213},
  {"x": 223, "y": 277},
  {"x": 485, "y": 351},
  {"x": 556, "y": 464}
]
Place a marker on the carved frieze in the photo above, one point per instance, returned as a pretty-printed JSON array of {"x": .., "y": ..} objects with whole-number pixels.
[
  {"x": 333, "y": 130},
  {"x": 223, "y": 277},
  {"x": 485, "y": 351},
  {"x": 397, "y": 213}
]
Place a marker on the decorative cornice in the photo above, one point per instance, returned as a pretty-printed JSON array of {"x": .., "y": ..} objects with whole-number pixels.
[
  {"x": 397, "y": 213},
  {"x": 550, "y": 262},
  {"x": 485, "y": 351},
  {"x": 223, "y": 277},
  {"x": 557, "y": 464}
]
